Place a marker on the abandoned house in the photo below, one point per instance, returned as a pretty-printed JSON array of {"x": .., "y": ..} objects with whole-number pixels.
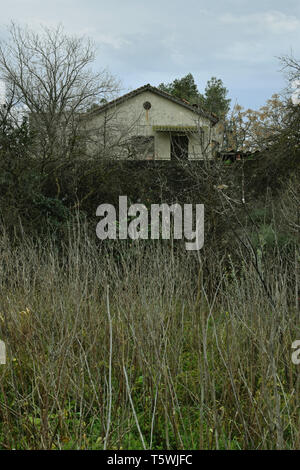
[{"x": 149, "y": 124}]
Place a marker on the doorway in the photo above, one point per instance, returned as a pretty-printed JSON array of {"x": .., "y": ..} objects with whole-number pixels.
[{"x": 179, "y": 147}]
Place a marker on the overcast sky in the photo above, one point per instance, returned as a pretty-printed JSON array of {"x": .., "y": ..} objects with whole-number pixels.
[{"x": 154, "y": 41}]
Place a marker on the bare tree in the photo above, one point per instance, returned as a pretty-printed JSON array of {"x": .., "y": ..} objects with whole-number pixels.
[
  {"x": 50, "y": 74},
  {"x": 112, "y": 135},
  {"x": 291, "y": 67}
]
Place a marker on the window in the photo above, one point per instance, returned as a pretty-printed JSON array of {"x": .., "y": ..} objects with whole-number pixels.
[{"x": 179, "y": 147}]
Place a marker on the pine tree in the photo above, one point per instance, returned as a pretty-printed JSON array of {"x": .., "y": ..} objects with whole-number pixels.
[
  {"x": 183, "y": 88},
  {"x": 215, "y": 97}
]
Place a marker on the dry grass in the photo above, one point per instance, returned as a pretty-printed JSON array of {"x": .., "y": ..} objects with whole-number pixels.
[{"x": 125, "y": 347}]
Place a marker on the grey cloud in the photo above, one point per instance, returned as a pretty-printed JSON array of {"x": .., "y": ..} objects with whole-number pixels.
[{"x": 156, "y": 41}]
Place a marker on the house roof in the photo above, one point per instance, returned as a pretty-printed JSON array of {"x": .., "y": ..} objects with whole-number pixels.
[{"x": 157, "y": 91}]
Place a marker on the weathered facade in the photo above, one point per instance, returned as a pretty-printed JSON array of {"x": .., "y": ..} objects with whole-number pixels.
[{"x": 151, "y": 124}]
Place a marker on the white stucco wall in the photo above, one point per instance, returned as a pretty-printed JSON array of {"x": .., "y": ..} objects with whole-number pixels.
[{"x": 129, "y": 118}]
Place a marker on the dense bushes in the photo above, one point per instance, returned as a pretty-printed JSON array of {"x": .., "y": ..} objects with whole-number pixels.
[
  {"x": 205, "y": 370},
  {"x": 201, "y": 342}
]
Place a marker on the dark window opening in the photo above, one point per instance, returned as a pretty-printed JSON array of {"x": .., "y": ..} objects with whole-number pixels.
[
  {"x": 147, "y": 105},
  {"x": 179, "y": 147}
]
